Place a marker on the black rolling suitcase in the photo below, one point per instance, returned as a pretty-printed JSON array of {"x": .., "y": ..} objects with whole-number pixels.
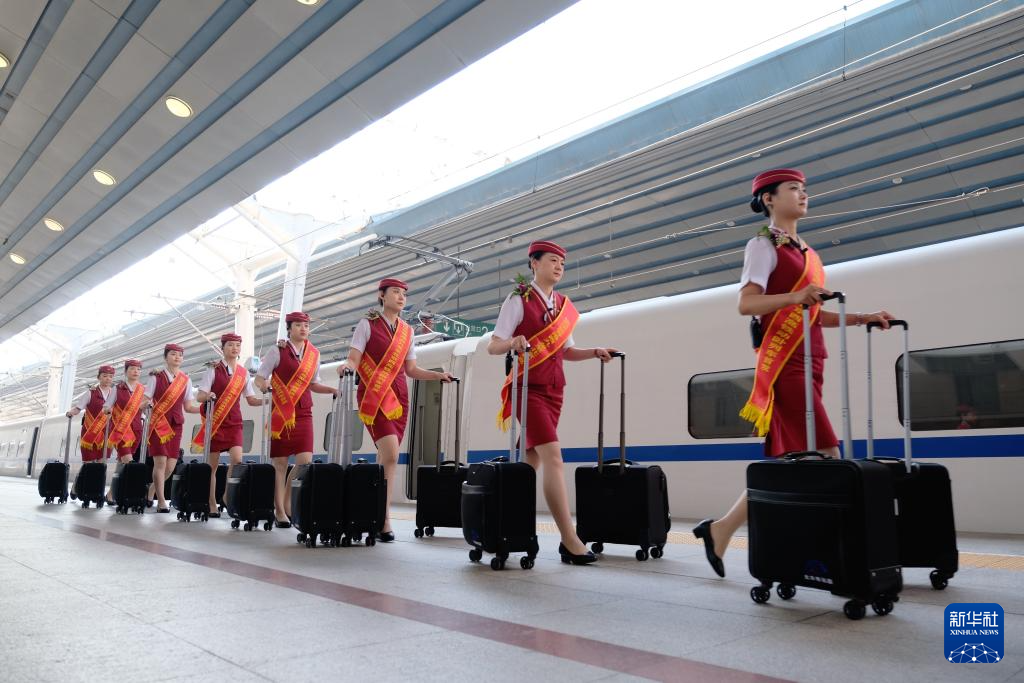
[
  {"x": 190, "y": 487},
  {"x": 53, "y": 480},
  {"x": 499, "y": 498},
  {"x": 249, "y": 491},
  {"x": 91, "y": 482},
  {"x": 625, "y": 503},
  {"x": 318, "y": 490},
  {"x": 924, "y": 495},
  {"x": 221, "y": 480},
  {"x": 129, "y": 486},
  {"x": 365, "y": 494},
  {"x": 439, "y": 487},
  {"x": 823, "y": 523}
]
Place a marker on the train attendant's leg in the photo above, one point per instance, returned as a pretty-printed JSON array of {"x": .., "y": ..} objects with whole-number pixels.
[
  {"x": 213, "y": 460},
  {"x": 234, "y": 458},
  {"x": 161, "y": 465},
  {"x": 547, "y": 457},
  {"x": 387, "y": 457},
  {"x": 300, "y": 459},
  {"x": 282, "y": 490}
]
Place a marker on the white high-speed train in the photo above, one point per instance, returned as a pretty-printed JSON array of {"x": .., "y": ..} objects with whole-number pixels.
[{"x": 689, "y": 368}]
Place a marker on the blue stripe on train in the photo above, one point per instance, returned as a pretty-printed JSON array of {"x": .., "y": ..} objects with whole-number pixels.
[{"x": 989, "y": 446}]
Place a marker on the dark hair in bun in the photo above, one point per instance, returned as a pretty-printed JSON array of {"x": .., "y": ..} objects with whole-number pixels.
[{"x": 756, "y": 205}]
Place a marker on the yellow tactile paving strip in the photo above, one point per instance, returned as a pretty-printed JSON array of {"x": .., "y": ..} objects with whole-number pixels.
[{"x": 975, "y": 560}]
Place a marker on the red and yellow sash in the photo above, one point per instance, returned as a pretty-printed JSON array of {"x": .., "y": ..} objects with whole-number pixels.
[
  {"x": 783, "y": 335},
  {"x": 286, "y": 396},
  {"x": 377, "y": 378},
  {"x": 161, "y": 425},
  {"x": 221, "y": 407},
  {"x": 121, "y": 424},
  {"x": 543, "y": 345},
  {"x": 94, "y": 426}
]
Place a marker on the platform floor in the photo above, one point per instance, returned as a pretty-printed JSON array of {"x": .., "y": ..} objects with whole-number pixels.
[{"x": 91, "y": 595}]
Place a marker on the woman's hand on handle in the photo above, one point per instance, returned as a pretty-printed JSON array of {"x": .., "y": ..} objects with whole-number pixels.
[
  {"x": 605, "y": 355},
  {"x": 809, "y": 295},
  {"x": 519, "y": 344},
  {"x": 446, "y": 377},
  {"x": 881, "y": 317}
]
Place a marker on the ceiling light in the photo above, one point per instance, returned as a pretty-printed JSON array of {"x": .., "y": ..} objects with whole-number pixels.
[
  {"x": 53, "y": 225},
  {"x": 897, "y": 180},
  {"x": 178, "y": 107},
  {"x": 755, "y": 155},
  {"x": 103, "y": 178},
  {"x": 308, "y": 2},
  {"x": 4, "y": 62},
  {"x": 18, "y": 258},
  {"x": 966, "y": 86}
]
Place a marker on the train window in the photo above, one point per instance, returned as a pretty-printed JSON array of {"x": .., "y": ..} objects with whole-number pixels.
[
  {"x": 355, "y": 429},
  {"x": 248, "y": 429},
  {"x": 980, "y": 386},
  {"x": 715, "y": 400},
  {"x": 195, "y": 432}
]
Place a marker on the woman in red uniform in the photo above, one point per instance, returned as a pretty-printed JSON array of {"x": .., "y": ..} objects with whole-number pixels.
[
  {"x": 537, "y": 317},
  {"x": 383, "y": 352},
  {"x": 292, "y": 370},
  {"x": 94, "y": 423},
  {"x": 170, "y": 392},
  {"x": 225, "y": 382},
  {"x": 781, "y": 274}
]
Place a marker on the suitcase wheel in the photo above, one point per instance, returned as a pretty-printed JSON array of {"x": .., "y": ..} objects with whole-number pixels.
[
  {"x": 786, "y": 591},
  {"x": 47, "y": 501},
  {"x": 346, "y": 541},
  {"x": 246, "y": 527},
  {"x": 370, "y": 540},
  {"x": 526, "y": 562},
  {"x": 497, "y": 563},
  {"x": 300, "y": 538},
  {"x": 657, "y": 551},
  {"x": 99, "y": 504},
  {"x": 182, "y": 517},
  {"x": 597, "y": 548},
  {"x": 761, "y": 594},
  {"x": 418, "y": 533},
  {"x": 85, "y": 504},
  {"x": 235, "y": 524},
  {"x": 311, "y": 541},
  {"x": 73, "y": 496},
  {"x": 267, "y": 526},
  {"x": 939, "y": 580},
  {"x": 475, "y": 554},
  {"x": 854, "y": 609},
  {"x": 429, "y": 531},
  {"x": 882, "y": 606},
  {"x": 641, "y": 555}
]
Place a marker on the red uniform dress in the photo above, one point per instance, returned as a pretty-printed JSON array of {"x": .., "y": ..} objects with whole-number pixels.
[
  {"x": 298, "y": 439},
  {"x": 547, "y": 380},
  {"x": 230, "y": 433},
  {"x": 93, "y": 410},
  {"x": 788, "y": 432},
  {"x": 377, "y": 345},
  {"x": 175, "y": 416},
  {"x": 127, "y": 446}
]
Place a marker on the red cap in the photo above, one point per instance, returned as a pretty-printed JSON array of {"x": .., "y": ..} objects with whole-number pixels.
[
  {"x": 778, "y": 175},
  {"x": 173, "y": 347},
  {"x": 229, "y": 336},
  {"x": 132, "y": 363},
  {"x": 546, "y": 247},
  {"x": 296, "y": 317},
  {"x": 108, "y": 369},
  {"x": 392, "y": 282}
]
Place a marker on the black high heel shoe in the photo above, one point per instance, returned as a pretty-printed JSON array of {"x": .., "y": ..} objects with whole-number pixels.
[
  {"x": 703, "y": 532},
  {"x": 569, "y": 558},
  {"x": 386, "y": 536}
]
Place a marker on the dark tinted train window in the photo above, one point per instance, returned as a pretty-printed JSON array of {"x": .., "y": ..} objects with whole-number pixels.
[
  {"x": 715, "y": 400},
  {"x": 980, "y": 386},
  {"x": 195, "y": 432},
  {"x": 355, "y": 427},
  {"x": 248, "y": 428}
]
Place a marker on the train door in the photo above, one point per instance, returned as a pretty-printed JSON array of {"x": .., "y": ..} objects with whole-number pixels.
[
  {"x": 424, "y": 429},
  {"x": 33, "y": 445}
]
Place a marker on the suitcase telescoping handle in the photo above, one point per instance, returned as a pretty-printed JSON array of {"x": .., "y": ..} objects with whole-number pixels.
[
  {"x": 844, "y": 387},
  {"x": 144, "y": 448},
  {"x": 208, "y": 432},
  {"x": 522, "y": 412},
  {"x": 341, "y": 440},
  {"x": 458, "y": 427},
  {"x": 268, "y": 400},
  {"x": 106, "y": 436},
  {"x": 622, "y": 416},
  {"x": 67, "y": 442},
  {"x": 907, "y": 455}
]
